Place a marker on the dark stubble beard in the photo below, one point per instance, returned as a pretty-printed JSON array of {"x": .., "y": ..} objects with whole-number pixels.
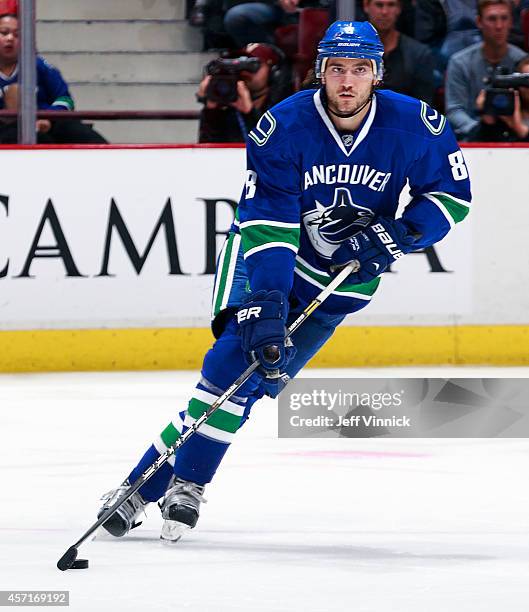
[{"x": 333, "y": 108}]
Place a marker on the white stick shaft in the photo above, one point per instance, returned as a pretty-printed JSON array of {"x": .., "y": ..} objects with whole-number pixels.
[{"x": 151, "y": 470}]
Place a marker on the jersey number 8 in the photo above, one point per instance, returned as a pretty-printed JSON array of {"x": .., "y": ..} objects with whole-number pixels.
[
  {"x": 251, "y": 184},
  {"x": 457, "y": 163}
]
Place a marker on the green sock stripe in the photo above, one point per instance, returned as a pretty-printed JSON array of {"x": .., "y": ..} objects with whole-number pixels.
[
  {"x": 170, "y": 435},
  {"x": 219, "y": 419}
]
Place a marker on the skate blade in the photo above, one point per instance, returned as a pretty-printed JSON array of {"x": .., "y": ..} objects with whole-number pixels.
[{"x": 172, "y": 531}]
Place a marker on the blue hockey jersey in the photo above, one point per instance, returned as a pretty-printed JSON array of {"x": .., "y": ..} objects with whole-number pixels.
[
  {"x": 308, "y": 188},
  {"x": 52, "y": 90}
]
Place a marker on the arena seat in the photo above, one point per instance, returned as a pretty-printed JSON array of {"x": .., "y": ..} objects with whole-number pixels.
[
  {"x": 312, "y": 25},
  {"x": 524, "y": 17},
  {"x": 8, "y": 7}
]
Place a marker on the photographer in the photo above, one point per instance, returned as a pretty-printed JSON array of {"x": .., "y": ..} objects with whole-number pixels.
[
  {"x": 237, "y": 92},
  {"x": 513, "y": 126},
  {"x": 469, "y": 69}
]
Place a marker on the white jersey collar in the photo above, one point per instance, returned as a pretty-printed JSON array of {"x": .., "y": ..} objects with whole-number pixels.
[
  {"x": 330, "y": 125},
  {"x": 6, "y": 77}
]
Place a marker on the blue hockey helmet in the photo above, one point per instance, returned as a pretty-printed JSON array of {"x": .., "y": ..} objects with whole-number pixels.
[{"x": 353, "y": 39}]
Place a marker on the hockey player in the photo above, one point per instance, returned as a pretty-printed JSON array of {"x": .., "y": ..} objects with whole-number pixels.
[{"x": 325, "y": 170}]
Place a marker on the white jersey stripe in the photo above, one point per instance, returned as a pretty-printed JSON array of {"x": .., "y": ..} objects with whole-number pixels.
[
  {"x": 270, "y": 245},
  {"x": 441, "y": 207}
]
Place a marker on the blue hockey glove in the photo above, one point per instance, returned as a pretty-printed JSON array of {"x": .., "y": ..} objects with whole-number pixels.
[
  {"x": 262, "y": 323},
  {"x": 375, "y": 248}
]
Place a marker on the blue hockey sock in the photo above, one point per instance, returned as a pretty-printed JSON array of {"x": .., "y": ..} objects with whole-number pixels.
[{"x": 156, "y": 486}]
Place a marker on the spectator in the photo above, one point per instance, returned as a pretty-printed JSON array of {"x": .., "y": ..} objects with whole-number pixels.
[
  {"x": 52, "y": 94},
  {"x": 197, "y": 14},
  {"x": 256, "y": 92},
  {"x": 507, "y": 128},
  {"x": 408, "y": 64},
  {"x": 448, "y": 26},
  {"x": 256, "y": 21},
  {"x": 468, "y": 69}
]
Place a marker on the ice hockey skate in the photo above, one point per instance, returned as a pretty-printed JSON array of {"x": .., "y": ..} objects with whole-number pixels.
[
  {"x": 180, "y": 508},
  {"x": 126, "y": 516}
]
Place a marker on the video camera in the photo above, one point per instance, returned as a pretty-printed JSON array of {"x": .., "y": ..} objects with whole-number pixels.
[
  {"x": 225, "y": 73},
  {"x": 499, "y": 94}
]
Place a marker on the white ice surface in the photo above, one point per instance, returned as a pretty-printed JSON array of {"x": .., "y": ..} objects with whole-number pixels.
[{"x": 309, "y": 525}]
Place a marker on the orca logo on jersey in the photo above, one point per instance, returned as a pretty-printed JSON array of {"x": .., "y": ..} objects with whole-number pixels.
[{"x": 328, "y": 226}]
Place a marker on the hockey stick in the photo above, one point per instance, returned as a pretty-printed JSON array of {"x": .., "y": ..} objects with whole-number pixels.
[{"x": 69, "y": 557}]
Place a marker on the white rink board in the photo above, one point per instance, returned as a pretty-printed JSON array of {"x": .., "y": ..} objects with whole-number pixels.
[{"x": 485, "y": 256}]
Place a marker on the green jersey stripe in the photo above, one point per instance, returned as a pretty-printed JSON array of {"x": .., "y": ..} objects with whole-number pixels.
[
  {"x": 220, "y": 265},
  {"x": 232, "y": 263},
  {"x": 65, "y": 101},
  {"x": 222, "y": 275},
  {"x": 347, "y": 294},
  {"x": 454, "y": 207},
  {"x": 452, "y": 197},
  {"x": 361, "y": 290},
  {"x": 258, "y": 235},
  {"x": 267, "y": 223}
]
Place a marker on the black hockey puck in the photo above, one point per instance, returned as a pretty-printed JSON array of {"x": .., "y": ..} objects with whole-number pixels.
[{"x": 80, "y": 564}]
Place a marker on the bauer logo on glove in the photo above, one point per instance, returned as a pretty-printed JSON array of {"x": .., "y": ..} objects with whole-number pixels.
[
  {"x": 247, "y": 313},
  {"x": 375, "y": 249},
  {"x": 386, "y": 239}
]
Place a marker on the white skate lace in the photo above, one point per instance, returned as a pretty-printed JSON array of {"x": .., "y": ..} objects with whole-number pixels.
[
  {"x": 130, "y": 509},
  {"x": 184, "y": 489}
]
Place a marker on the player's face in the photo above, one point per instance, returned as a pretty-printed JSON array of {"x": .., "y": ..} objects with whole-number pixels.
[
  {"x": 348, "y": 83},
  {"x": 383, "y": 14},
  {"x": 9, "y": 39},
  {"x": 495, "y": 24}
]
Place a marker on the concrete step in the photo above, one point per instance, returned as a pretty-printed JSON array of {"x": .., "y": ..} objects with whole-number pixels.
[
  {"x": 120, "y": 132},
  {"x": 147, "y": 35},
  {"x": 110, "y": 9},
  {"x": 131, "y": 67},
  {"x": 95, "y": 96}
]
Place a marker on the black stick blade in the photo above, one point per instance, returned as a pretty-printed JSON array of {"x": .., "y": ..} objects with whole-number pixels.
[{"x": 68, "y": 559}]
